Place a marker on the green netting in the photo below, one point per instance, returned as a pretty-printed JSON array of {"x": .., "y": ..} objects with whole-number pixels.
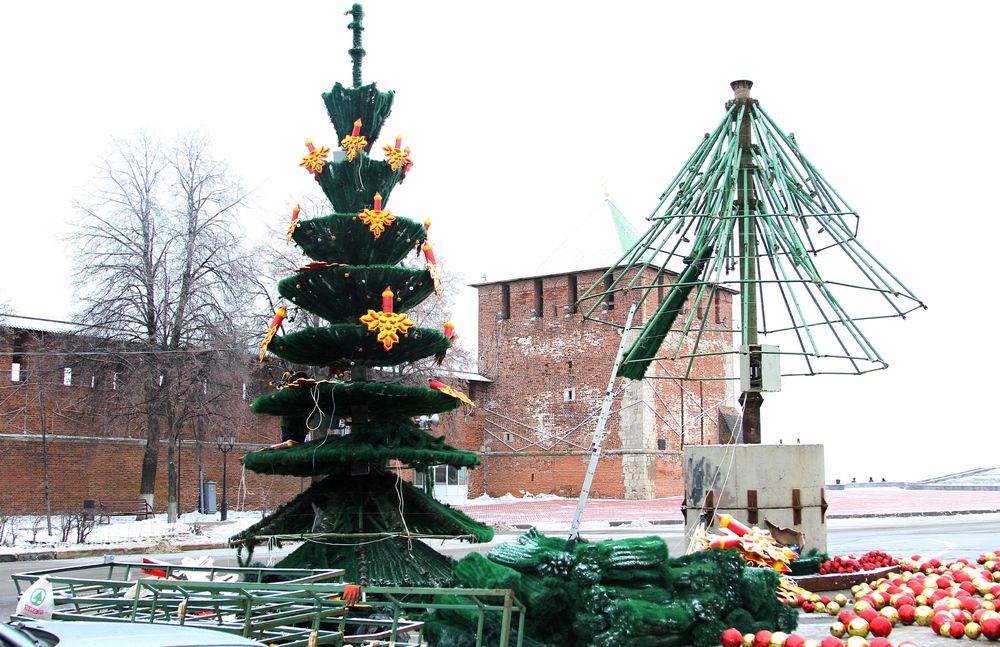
[
  {"x": 366, "y": 103},
  {"x": 682, "y": 601},
  {"x": 643, "y": 350},
  {"x": 376, "y": 444},
  {"x": 343, "y": 344},
  {"x": 343, "y": 238},
  {"x": 351, "y": 186},
  {"x": 383, "y": 400},
  {"x": 526, "y": 553},
  {"x": 342, "y": 294},
  {"x": 808, "y": 563},
  {"x": 475, "y": 570},
  {"x": 367, "y": 503}
]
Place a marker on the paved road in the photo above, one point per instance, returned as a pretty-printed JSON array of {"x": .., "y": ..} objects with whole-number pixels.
[{"x": 946, "y": 537}]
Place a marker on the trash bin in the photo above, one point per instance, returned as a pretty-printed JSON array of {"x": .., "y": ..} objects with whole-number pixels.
[{"x": 208, "y": 497}]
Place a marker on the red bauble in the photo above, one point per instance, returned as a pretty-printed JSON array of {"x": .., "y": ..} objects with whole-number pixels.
[
  {"x": 795, "y": 640},
  {"x": 880, "y": 626},
  {"x": 991, "y": 628},
  {"x": 832, "y": 641},
  {"x": 732, "y": 637},
  {"x": 867, "y": 614},
  {"x": 762, "y": 638},
  {"x": 879, "y": 642},
  {"x": 957, "y": 630},
  {"x": 907, "y": 614}
]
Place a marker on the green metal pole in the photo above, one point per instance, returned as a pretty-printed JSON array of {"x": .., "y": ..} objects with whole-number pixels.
[{"x": 747, "y": 207}]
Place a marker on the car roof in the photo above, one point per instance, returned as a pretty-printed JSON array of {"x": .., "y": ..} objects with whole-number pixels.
[{"x": 129, "y": 634}]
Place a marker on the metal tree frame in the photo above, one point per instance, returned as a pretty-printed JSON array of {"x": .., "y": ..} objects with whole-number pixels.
[{"x": 748, "y": 213}]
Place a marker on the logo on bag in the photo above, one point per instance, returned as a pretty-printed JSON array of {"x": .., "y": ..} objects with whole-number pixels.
[{"x": 37, "y": 597}]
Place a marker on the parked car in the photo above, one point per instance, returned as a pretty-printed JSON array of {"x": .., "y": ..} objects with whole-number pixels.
[{"x": 71, "y": 633}]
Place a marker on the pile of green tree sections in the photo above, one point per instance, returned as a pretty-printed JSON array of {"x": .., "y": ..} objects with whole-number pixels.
[{"x": 626, "y": 592}]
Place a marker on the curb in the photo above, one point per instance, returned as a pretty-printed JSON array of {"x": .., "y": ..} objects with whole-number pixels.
[{"x": 101, "y": 552}]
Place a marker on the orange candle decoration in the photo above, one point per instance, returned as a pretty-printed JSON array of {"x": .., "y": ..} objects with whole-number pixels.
[
  {"x": 727, "y": 521},
  {"x": 449, "y": 329},
  {"x": 399, "y": 141},
  {"x": 309, "y": 145},
  {"x": 429, "y": 253},
  {"x": 295, "y": 214},
  {"x": 378, "y": 202},
  {"x": 387, "y": 299},
  {"x": 357, "y": 128},
  {"x": 427, "y": 225}
]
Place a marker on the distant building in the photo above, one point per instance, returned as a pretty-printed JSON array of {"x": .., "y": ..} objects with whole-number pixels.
[
  {"x": 71, "y": 431},
  {"x": 543, "y": 372}
]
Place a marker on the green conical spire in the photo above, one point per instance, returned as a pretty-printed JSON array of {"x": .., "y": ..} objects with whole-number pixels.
[{"x": 627, "y": 234}]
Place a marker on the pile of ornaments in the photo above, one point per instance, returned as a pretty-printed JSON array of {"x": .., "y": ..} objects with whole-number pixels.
[
  {"x": 870, "y": 561},
  {"x": 957, "y": 599},
  {"x": 732, "y": 638}
]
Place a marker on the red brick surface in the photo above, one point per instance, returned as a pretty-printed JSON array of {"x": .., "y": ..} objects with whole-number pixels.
[{"x": 534, "y": 439}]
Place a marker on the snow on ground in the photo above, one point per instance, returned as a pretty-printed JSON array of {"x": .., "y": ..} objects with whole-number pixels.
[{"x": 31, "y": 533}]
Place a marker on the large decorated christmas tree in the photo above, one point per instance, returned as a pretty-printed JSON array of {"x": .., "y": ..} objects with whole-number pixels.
[{"x": 369, "y": 267}]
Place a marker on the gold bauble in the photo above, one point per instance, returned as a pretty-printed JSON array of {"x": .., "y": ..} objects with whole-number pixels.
[
  {"x": 858, "y": 627},
  {"x": 778, "y": 639},
  {"x": 922, "y": 615}
]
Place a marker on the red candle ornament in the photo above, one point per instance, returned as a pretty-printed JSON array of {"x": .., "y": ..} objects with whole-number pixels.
[
  {"x": 427, "y": 225},
  {"x": 429, "y": 253},
  {"x": 449, "y": 329},
  {"x": 399, "y": 141},
  {"x": 387, "y": 299},
  {"x": 357, "y": 128},
  {"x": 309, "y": 145},
  {"x": 727, "y": 521},
  {"x": 295, "y": 213},
  {"x": 378, "y": 202},
  {"x": 724, "y": 543}
]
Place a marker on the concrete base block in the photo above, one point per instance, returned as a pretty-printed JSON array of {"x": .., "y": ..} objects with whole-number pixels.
[{"x": 782, "y": 484}]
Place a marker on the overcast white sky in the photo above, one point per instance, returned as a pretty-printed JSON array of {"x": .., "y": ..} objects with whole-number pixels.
[{"x": 520, "y": 113}]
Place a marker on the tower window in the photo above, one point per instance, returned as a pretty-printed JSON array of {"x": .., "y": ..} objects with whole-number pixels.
[
  {"x": 505, "y": 301},
  {"x": 539, "y": 298},
  {"x": 609, "y": 297},
  {"x": 572, "y": 294}
]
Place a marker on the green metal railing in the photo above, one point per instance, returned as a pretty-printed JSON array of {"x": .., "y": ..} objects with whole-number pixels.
[{"x": 307, "y": 609}]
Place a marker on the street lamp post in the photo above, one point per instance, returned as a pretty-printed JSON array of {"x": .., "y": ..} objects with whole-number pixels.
[{"x": 225, "y": 445}]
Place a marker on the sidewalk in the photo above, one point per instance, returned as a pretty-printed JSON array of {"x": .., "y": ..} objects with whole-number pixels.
[
  {"x": 857, "y": 502},
  {"x": 852, "y": 502}
]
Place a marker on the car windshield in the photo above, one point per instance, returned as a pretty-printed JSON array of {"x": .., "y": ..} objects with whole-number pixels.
[{"x": 18, "y": 636}]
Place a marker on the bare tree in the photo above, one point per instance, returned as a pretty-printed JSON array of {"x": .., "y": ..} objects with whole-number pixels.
[{"x": 159, "y": 266}]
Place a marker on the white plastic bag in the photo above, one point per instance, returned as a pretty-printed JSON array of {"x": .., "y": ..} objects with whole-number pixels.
[{"x": 36, "y": 601}]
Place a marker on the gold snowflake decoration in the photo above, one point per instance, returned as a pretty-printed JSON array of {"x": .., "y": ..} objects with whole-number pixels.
[
  {"x": 397, "y": 158},
  {"x": 352, "y": 145},
  {"x": 390, "y": 326},
  {"x": 376, "y": 219},
  {"x": 316, "y": 159}
]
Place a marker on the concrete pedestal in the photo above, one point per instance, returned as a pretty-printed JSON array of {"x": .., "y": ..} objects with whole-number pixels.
[{"x": 783, "y": 484}]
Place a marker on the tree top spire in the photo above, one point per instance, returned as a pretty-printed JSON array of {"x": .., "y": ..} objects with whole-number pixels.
[{"x": 357, "y": 52}]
